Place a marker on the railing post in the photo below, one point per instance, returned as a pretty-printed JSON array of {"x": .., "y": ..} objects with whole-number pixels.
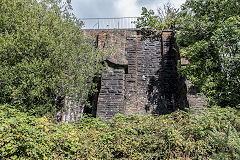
[{"x": 98, "y": 24}]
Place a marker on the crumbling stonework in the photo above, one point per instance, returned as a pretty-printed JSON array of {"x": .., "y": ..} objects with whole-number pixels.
[
  {"x": 195, "y": 98},
  {"x": 141, "y": 76}
]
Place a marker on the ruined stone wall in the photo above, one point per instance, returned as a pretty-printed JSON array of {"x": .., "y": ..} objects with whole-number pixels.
[
  {"x": 141, "y": 76},
  {"x": 158, "y": 89},
  {"x": 112, "y": 95},
  {"x": 195, "y": 98}
]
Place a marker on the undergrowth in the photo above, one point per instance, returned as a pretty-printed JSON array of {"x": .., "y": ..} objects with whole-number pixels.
[{"x": 212, "y": 133}]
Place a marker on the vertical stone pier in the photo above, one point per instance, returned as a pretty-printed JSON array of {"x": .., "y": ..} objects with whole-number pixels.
[{"x": 141, "y": 76}]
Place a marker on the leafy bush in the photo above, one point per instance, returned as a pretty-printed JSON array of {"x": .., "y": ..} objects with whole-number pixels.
[
  {"x": 208, "y": 33},
  {"x": 43, "y": 56},
  {"x": 175, "y": 136},
  {"x": 157, "y": 22}
]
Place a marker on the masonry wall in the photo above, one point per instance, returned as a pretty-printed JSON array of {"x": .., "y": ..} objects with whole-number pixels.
[
  {"x": 141, "y": 76},
  {"x": 112, "y": 94}
]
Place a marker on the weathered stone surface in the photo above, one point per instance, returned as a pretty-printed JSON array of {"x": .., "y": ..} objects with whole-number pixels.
[
  {"x": 195, "y": 98},
  {"x": 148, "y": 81},
  {"x": 113, "y": 41},
  {"x": 111, "y": 97},
  {"x": 142, "y": 75},
  {"x": 72, "y": 111}
]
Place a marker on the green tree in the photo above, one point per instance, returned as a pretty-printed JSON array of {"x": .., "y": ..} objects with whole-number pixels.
[
  {"x": 208, "y": 32},
  {"x": 156, "y": 22},
  {"x": 208, "y": 35},
  {"x": 43, "y": 55}
]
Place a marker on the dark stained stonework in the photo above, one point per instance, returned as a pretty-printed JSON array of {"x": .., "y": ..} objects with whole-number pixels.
[{"x": 141, "y": 76}]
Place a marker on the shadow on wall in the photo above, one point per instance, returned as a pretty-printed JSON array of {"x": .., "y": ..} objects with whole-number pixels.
[
  {"x": 166, "y": 89},
  {"x": 91, "y": 108}
]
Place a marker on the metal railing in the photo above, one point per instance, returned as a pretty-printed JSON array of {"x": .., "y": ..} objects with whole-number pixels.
[{"x": 109, "y": 23}]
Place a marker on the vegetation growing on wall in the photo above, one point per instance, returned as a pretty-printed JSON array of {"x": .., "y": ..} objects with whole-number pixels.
[
  {"x": 164, "y": 19},
  {"x": 43, "y": 56}
]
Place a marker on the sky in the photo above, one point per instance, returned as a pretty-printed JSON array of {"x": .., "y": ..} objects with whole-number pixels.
[
  {"x": 116, "y": 8},
  {"x": 113, "y": 9}
]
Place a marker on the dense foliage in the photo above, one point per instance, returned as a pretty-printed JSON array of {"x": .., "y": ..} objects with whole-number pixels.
[
  {"x": 215, "y": 131},
  {"x": 209, "y": 36},
  {"x": 164, "y": 19},
  {"x": 43, "y": 56}
]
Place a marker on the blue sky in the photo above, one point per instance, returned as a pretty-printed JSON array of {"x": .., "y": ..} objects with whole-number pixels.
[{"x": 116, "y": 8}]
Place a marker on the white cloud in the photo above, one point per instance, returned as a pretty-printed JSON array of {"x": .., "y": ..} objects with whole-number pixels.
[
  {"x": 116, "y": 8},
  {"x": 127, "y": 8}
]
